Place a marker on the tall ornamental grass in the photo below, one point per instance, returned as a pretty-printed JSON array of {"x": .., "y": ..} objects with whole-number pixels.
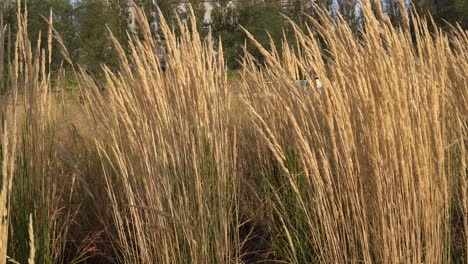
[{"x": 364, "y": 162}]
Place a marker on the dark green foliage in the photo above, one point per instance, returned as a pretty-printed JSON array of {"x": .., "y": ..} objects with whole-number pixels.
[
  {"x": 453, "y": 11},
  {"x": 38, "y": 15},
  {"x": 261, "y": 20},
  {"x": 94, "y": 17}
]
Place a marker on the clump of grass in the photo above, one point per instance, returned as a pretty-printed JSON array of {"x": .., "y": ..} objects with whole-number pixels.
[
  {"x": 171, "y": 177},
  {"x": 365, "y": 166},
  {"x": 36, "y": 186}
]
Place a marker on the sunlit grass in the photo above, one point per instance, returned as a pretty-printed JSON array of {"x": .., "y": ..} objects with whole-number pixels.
[{"x": 199, "y": 164}]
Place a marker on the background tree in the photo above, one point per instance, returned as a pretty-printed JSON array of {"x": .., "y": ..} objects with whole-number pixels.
[
  {"x": 260, "y": 19},
  {"x": 119, "y": 8},
  {"x": 38, "y": 14},
  {"x": 95, "y": 47},
  {"x": 453, "y": 11},
  {"x": 82, "y": 24}
]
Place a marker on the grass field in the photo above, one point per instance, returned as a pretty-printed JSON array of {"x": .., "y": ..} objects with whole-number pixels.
[{"x": 201, "y": 165}]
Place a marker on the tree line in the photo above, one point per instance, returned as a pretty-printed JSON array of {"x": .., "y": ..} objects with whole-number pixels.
[{"x": 84, "y": 24}]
